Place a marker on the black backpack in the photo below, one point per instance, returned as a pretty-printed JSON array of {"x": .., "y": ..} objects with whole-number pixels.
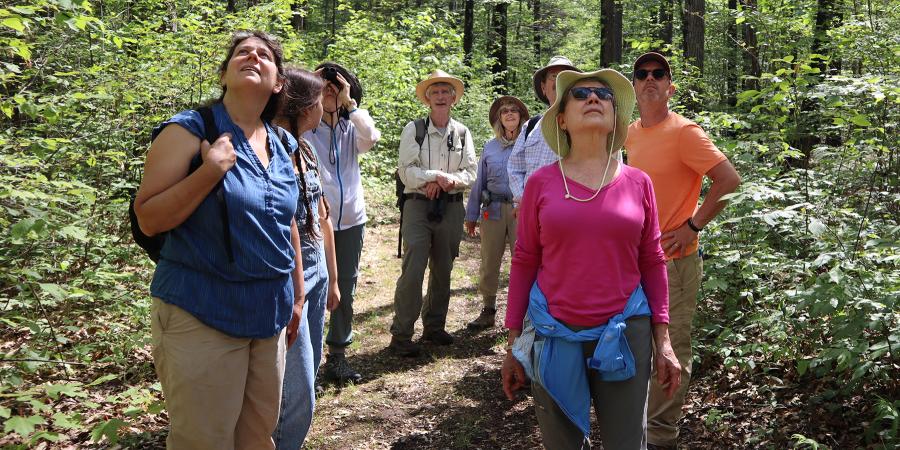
[
  {"x": 153, "y": 245},
  {"x": 531, "y": 123}
]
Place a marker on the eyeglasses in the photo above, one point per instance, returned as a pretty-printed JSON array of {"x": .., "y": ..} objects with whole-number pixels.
[
  {"x": 504, "y": 111},
  {"x": 658, "y": 74},
  {"x": 582, "y": 93}
]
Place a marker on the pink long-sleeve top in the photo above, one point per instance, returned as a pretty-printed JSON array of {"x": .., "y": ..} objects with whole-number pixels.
[{"x": 587, "y": 257}]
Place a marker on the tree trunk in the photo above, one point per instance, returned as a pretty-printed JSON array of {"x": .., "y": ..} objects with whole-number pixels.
[
  {"x": 694, "y": 31},
  {"x": 537, "y": 30},
  {"x": 230, "y": 6},
  {"x": 296, "y": 15},
  {"x": 732, "y": 65},
  {"x": 498, "y": 46},
  {"x": 468, "y": 20},
  {"x": 611, "y": 21},
  {"x": 751, "y": 49},
  {"x": 665, "y": 23},
  {"x": 828, "y": 16}
]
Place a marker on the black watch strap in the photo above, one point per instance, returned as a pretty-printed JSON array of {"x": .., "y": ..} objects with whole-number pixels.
[{"x": 690, "y": 224}]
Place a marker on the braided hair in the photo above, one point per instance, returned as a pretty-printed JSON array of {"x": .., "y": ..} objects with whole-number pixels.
[{"x": 301, "y": 91}]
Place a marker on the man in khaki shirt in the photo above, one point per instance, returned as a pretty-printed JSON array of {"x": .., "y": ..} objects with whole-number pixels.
[{"x": 434, "y": 174}]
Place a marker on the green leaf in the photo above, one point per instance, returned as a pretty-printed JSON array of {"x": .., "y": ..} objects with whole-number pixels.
[
  {"x": 15, "y": 23},
  {"x": 861, "y": 120},
  {"x": 72, "y": 390},
  {"x": 110, "y": 429},
  {"x": 802, "y": 366},
  {"x": 4, "y": 412},
  {"x": 816, "y": 227},
  {"x": 103, "y": 379},
  {"x": 23, "y": 426},
  {"x": 54, "y": 290},
  {"x": 62, "y": 420}
]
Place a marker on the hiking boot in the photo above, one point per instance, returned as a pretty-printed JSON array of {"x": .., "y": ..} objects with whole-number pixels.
[
  {"x": 439, "y": 337},
  {"x": 404, "y": 347},
  {"x": 660, "y": 447},
  {"x": 338, "y": 369},
  {"x": 484, "y": 320}
]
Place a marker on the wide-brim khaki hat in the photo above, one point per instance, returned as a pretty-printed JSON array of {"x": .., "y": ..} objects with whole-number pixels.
[
  {"x": 439, "y": 76},
  {"x": 623, "y": 92},
  {"x": 560, "y": 62},
  {"x": 494, "y": 113}
]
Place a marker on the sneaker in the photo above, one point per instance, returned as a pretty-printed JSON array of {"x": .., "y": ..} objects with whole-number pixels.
[
  {"x": 404, "y": 347},
  {"x": 439, "y": 337},
  {"x": 484, "y": 320},
  {"x": 338, "y": 369}
]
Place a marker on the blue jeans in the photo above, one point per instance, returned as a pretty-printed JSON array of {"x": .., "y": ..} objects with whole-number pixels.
[{"x": 298, "y": 397}]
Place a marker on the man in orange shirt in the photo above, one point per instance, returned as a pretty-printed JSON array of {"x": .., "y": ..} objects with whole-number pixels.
[{"x": 676, "y": 154}]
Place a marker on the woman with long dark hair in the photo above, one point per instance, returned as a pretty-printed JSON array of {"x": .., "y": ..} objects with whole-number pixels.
[
  {"x": 300, "y": 111},
  {"x": 227, "y": 291}
]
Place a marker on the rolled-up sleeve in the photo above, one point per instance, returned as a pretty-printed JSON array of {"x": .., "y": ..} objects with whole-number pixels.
[
  {"x": 366, "y": 133},
  {"x": 465, "y": 176},
  {"x": 515, "y": 167},
  {"x": 412, "y": 173}
]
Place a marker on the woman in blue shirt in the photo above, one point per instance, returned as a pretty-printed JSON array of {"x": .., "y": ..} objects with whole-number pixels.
[
  {"x": 226, "y": 301},
  {"x": 490, "y": 201},
  {"x": 300, "y": 111}
]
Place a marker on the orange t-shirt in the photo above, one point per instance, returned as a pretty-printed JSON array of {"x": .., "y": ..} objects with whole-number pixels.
[{"x": 676, "y": 153}]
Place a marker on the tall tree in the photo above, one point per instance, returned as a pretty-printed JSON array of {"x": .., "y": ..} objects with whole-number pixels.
[
  {"x": 537, "y": 29},
  {"x": 694, "y": 32},
  {"x": 468, "y": 21},
  {"x": 732, "y": 61},
  {"x": 498, "y": 45},
  {"x": 664, "y": 24},
  {"x": 296, "y": 14},
  {"x": 750, "y": 46},
  {"x": 611, "y": 21},
  {"x": 828, "y": 17}
]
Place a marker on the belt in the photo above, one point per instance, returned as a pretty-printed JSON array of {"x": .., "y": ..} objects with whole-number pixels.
[
  {"x": 451, "y": 198},
  {"x": 500, "y": 198}
]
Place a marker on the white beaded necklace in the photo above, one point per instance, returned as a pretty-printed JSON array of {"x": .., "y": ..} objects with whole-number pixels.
[{"x": 602, "y": 181}]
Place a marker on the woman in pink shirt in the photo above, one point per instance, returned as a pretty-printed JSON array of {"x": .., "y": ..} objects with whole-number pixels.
[{"x": 588, "y": 265}]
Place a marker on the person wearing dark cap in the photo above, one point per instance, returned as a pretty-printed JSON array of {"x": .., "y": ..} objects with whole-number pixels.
[
  {"x": 490, "y": 201},
  {"x": 435, "y": 171},
  {"x": 530, "y": 151},
  {"x": 676, "y": 154},
  {"x": 345, "y": 132}
]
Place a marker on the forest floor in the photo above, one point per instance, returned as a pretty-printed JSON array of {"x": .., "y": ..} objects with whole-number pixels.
[{"x": 451, "y": 398}]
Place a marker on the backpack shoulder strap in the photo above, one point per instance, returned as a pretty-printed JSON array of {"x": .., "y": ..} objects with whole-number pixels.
[
  {"x": 531, "y": 124},
  {"x": 210, "y": 133},
  {"x": 421, "y": 129}
]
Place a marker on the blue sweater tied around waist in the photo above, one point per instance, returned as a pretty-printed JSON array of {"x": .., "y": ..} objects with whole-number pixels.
[{"x": 551, "y": 353}]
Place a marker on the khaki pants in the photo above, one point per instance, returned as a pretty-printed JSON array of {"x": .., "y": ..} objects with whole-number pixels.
[
  {"x": 496, "y": 235},
  {"x": 662, "y": 413},
  {"x": 431, "y": 244},
  {"x": 221, "y": 392}
]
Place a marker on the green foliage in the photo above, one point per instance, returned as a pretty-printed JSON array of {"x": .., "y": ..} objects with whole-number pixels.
[{"x": 803, "y": 270}]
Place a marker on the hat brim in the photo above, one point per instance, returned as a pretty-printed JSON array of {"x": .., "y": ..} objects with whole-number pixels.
[
  {"x": 624, "y": 97},
  {"x": 538, "y": 78},
  {"x": 453, "y": 81},
  {"x": 494, "y": 113}
]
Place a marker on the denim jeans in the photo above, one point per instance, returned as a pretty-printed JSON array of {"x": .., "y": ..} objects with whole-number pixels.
[{"x": 298, "y": 398}]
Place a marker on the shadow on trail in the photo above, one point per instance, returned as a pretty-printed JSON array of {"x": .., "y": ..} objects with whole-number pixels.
[
  {"x": 468, "y": 344},
  {"x": 492, "y": 422}
]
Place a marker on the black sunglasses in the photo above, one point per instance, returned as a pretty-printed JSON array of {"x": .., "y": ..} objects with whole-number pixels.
[
  {"x": 582, "y": 93},
  {"x": 658, "y": 74}
]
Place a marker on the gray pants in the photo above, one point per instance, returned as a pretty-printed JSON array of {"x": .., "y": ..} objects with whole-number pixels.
[
  {"x": 347, "y": 249},
  {"x": 431, "y": 244},
  {"x": 620, "y": 406}
]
